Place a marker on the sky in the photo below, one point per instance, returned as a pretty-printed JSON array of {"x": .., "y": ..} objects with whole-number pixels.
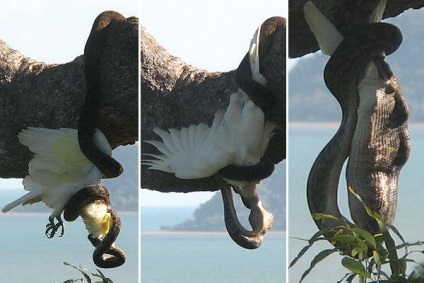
[{"x": 212, "y": 35}]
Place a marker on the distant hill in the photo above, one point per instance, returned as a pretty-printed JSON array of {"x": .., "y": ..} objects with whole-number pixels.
[
  {"x": 311, "y": 101},
  {"x": 210, "y": 216}
]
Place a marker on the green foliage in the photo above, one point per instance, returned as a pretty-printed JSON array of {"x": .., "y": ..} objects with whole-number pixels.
[
  {"x": 367, "y": 256},
  {"x": 86, "y": 276}
]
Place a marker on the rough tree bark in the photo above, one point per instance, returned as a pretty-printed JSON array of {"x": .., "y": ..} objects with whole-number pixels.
[
  {"x": 174, "y": 95},
  {"x": 48, "y": 95},
  {"x": 341, "y": 13}
]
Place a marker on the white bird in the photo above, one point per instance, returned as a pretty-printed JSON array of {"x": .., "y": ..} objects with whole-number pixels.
[{"x": 57, "y": 171}]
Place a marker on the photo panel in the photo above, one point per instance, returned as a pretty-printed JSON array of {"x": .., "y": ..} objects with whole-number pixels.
[
  {"x": 212, "y": 128},
  {"x": 69, "y": 151},
  {"x": 354, "y": 141}
]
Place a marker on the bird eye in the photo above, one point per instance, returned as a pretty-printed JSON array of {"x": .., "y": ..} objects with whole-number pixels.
[{"x": 389, "y": 90}]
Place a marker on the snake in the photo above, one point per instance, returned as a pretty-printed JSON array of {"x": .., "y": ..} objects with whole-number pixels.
[
  {"x": 260, "y": 220},
  {"x": 88, "y": 120},
  {"x": 244, "y": 179},
  {"x": 345, "y": 70},
  {"x": 73, "y": 209}
]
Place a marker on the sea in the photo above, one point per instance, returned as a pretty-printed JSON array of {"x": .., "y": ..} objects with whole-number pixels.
[
  {"x": 305, "y": 142},
  {"x": 28, "y": 256},
  {"x": 204, "y": 257}
]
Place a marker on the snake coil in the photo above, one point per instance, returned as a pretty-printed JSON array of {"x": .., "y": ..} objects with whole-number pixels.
[
  {"x": 344, "y": 72},
  {"x": 73, "y": 209}
]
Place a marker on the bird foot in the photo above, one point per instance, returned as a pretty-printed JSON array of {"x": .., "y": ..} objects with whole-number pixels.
[{"x": 52, "y": 227}]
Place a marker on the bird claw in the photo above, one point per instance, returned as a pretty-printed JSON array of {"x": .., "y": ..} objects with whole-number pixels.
[{"x": 52, "y": 228}]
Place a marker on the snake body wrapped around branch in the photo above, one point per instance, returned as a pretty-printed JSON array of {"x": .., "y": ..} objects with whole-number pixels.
[
  {"x": 89, "y": 115},
  {"x": 373, "y": 131}
]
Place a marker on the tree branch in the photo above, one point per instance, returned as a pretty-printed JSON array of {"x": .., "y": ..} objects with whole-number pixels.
[
  {"x": 301, "y": 39},
  {"x": 41, "y": 95},
  {"x": 175, "y": 95}
]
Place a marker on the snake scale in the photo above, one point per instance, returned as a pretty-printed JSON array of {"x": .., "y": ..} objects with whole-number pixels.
[{"x": 373, "y": 131}]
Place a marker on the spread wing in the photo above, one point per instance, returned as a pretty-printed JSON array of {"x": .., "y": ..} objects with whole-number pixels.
[{"x": 239, "y": 136}]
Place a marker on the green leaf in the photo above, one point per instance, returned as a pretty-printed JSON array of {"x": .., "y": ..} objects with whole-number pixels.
[
  {"x": 321, "y": 216},
  {"x": 367, "y": 236},
  {"x": 319, "y": 257},
  {"x": 350, "y": 278},
  {"x": 407, "y": 244},
  {"x": 396, "y": 231},
  {"x": 102, "y": 276},
  {"x": 355, "y": 266},
  {"x": 377, "y": 259},
  {"x": 316, "y": 237},
  {"x": 369, "y": 211},
  {"x": 356, "y": 245}
]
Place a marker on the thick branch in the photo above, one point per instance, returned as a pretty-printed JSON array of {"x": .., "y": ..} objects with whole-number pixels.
[
  {"x": 301, "y": 39},
  {"x": 41, "y": 95},
  {"x": 175, "y": 95}
]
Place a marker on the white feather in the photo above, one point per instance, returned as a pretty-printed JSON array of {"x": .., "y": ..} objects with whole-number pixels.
[
  {"x": 239, "y": 136},
  {"x": 254, "y": 58},
  {"x": 96, "y": 219},
  {"x": 325, "y": 32},
  {"x": 378, "y": 12},
  {"x": 58, "y": 169}
]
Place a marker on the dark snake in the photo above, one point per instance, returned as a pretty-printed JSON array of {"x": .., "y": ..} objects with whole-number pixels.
[
  {"x": 248, "y": 239},
  {"x": 91, "y": 194},
  {"x": 367, "y": 167},
  {"x": 260, "y": 220},
  {"x": 88, "y": 121}
]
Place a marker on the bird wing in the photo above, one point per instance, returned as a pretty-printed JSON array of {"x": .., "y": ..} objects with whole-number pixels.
[
  {"x": 239, "y": 136},
  {"x": 58, "y": 169}
]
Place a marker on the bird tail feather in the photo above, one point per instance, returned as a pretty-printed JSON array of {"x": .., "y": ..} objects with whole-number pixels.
[{"x": 27, "y": 198}]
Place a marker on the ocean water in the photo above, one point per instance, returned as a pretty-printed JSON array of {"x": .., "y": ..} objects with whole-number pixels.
[
  {"x": 204, "y": 257},
  {"x": 28, "y": 256},
  {"x": 304, "y": 145}
]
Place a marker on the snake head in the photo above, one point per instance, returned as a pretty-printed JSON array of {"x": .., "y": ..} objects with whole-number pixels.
[
  {"x": 243, "y": 180},
  {"x": 260, "y": 220},
  {"x": 101, "y": 221}
]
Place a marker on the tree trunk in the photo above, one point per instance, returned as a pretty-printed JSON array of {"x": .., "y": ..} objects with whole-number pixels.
[{"x": 51, "y": 96}]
